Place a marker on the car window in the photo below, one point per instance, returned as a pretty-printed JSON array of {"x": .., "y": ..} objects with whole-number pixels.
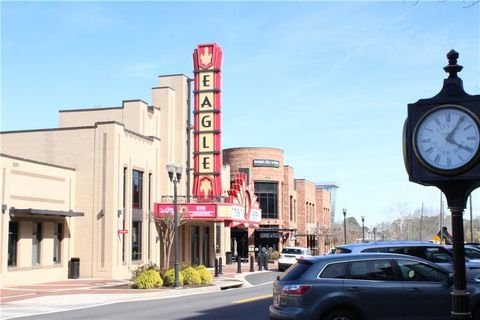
[
  {"x": 437, "y": 255},
  {"x": 296, "y": 271},
  {"x": 384, "y": 249},
  {"x": 371, "y": 270},
  {"x": 334, "y": 270},
  {"x": 291, "y": 251},
  {"x": 418, "y": 271},
  {"x": 472, "y": 253},
  {"x": 342, "y": 250}
]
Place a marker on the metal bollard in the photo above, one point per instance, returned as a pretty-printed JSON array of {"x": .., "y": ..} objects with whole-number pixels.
[
  {"x": 239, "y": 264},
  {"x": 251, "y": 263},
  {"x": 216, "y": 267},
  {"x": 265, "y": 262},
  {"x": 260, "y": 261},
  {"x": 220, "y": 266}
]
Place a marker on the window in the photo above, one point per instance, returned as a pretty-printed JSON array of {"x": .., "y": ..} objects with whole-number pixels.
[
  {"x": 136, "y": 240},
  {"x": 36, "y": 239},
  {"x": 12, "y": 243},
  {"x": 291, "y": 208},
  {"x": 124, "y": 238},
  {"x": 372, "y": 270},
  {"x": 267, "y": 193},
  {"x": 417, "y": 271},
  {"x": 137, "y": 214},
  {"x": 137, "y": 189},
  {"x": 334, "y": 271},
  {"x": 57, "y": 242}
]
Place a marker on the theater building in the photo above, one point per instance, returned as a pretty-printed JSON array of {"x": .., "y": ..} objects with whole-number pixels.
[{"x": 93, "y": 187}]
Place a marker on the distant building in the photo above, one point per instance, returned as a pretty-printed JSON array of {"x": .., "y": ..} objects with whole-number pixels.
[{"x": 331, "y": 187}]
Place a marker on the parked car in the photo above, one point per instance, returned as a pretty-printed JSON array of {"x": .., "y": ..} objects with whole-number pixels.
[
  {"x": 432, "y": 252},
  {"x": 367, "y": 286},
  {"x": 289, "y": 256},
  {"x": 471, "y": 252}
]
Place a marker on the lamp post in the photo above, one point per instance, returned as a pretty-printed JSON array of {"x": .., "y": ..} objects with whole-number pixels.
[
  {"x": 344, "y": 226},
  {"x": 374, "y": 234},
  {"x": 363, "y": 229},
  {"x": 175, "y": 174}
]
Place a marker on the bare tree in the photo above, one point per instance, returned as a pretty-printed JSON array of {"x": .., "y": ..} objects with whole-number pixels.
[{"x": 166, "y": 230}]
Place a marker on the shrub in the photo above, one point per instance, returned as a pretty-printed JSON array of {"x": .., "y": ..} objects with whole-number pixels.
[
  {"x": 205, "y": 275},
  {"x": 141, "y": 269},
  {"x": 169, "y": 278},
  {"x": 191, "y": 276},
  {"x": 275, "y": 255},
  {"x": 148, "y": 279}
]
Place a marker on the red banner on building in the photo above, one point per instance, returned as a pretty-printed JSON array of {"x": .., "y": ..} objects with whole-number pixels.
[
  {"x": 207, "y": 156},
  {"x": 187, "y": 210}
]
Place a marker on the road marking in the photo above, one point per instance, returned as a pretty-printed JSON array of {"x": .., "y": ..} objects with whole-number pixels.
[{"x": 253, "y": 298}]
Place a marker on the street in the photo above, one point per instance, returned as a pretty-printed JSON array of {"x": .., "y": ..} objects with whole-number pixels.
[{"x": 242, "y": 303}]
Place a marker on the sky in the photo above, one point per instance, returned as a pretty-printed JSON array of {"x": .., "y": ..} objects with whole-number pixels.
[{"x": 327, "y": 82}]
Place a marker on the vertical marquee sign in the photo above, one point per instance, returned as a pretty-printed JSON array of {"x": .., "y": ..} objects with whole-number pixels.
[{"x": 207, "y": 60}]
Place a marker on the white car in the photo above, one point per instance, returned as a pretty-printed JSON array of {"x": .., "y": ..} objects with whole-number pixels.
[{"x": 289, "y": 255}]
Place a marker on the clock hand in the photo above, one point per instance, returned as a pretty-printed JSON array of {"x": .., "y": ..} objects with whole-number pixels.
[
  {"x": 450, "y": 135},
  {"x": 449, "y": 139}
]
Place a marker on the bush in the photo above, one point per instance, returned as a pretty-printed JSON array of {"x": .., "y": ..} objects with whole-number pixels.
[
  {"x": 275, "y": 255},
  {"x": 148, "y": 279},
  {"x": 169, "y": 278},
  {"x": 205, "y": 275},
  {"x": 141, "y": 269},
  {"x": 191, "y": 276}
]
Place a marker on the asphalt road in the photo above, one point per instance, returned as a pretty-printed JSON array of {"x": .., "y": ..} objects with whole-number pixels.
[{"x": 242, "y": 303}]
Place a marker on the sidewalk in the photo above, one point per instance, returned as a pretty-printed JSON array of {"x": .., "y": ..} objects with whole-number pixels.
[{"x": 82, "y": 293}]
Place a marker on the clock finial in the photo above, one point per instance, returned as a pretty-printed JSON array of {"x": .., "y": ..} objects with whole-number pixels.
[{"x": 453, "y": 68}]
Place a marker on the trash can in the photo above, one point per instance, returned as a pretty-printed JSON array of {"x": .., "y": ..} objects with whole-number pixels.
[
  {"x": 228, "y": 257},
  {"x": 74, "y": 268}
]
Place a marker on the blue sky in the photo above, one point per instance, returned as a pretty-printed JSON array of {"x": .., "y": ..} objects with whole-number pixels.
[{"x": 327, "y": 82}]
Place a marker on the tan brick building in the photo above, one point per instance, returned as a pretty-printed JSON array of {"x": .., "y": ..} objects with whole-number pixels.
[{"x": 87, "y": 190}]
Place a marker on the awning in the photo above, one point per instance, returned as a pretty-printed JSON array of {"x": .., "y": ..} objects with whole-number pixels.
[{"x": 42, "y": 212}]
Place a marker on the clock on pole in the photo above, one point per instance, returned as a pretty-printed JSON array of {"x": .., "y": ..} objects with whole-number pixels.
[{"x": 441, "y": 148}]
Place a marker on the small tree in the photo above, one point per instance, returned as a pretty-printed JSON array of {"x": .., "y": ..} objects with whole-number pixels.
[{"x": 166, "y": 228}]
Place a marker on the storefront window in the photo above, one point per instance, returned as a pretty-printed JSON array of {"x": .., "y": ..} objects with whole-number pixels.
[
  {"x": 36, "y": 239},
  {"x": 57, "y": 242},
  {"x": 12, "y": 243},
  {"x": 267, "y": 193}
]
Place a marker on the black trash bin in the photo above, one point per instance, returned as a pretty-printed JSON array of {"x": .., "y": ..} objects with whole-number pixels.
[
  {"x": 74, "y": 268},
  {"x": 228, "y": 257}
]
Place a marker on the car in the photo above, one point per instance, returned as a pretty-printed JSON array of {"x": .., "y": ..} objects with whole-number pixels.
[
  {"x": 289, "y": 256},
  {"x": 471, "y": 252},
  {"x": 367, "y": 286},
  {"x": 432, "y": 252}
]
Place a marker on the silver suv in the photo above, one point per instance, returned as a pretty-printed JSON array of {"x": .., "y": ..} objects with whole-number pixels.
[
  {"x": 426, "y": 250},
  {"x": 373, "y": 286}
]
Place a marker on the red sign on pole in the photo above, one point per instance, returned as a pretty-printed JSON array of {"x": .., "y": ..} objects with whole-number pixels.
[{"x": 122, "y": 231}]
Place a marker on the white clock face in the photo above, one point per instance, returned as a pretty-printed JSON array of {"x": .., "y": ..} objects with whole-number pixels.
[{"x": 447, "y": 138}]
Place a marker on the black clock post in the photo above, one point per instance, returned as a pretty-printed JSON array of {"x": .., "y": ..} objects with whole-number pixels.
[{"x": 441, "y": 149}]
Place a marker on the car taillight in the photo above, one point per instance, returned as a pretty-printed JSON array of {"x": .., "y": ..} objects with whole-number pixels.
[
  {"x": 295, "y": 290},
  {"x": 301, "y": 257}
]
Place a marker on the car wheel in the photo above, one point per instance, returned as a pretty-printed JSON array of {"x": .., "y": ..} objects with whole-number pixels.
[{"x": 340, "y": 315}]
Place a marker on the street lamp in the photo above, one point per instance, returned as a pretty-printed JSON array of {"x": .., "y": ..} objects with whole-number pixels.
[
  {"x": 374, "y": 234},
  {"x": 363, "y": 229},
  {"x": 175, "y": 174},
  {"x": 344, "y": 226}
]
